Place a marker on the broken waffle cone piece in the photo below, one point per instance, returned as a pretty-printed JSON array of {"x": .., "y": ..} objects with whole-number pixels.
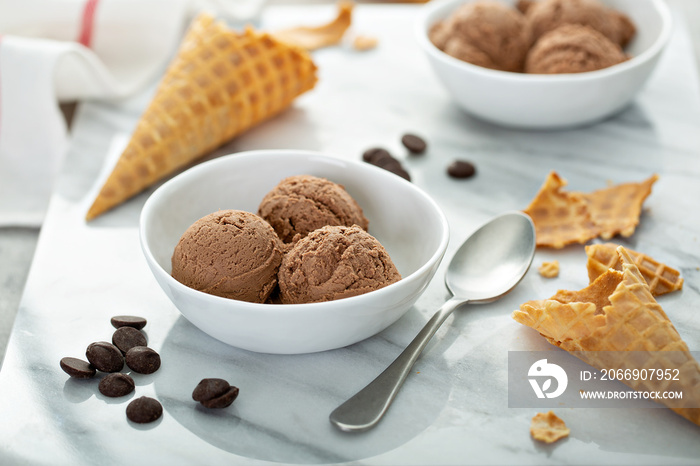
[
  {"x": 660, "y": 277},
  {"x": 316, "y": 37},
  {"x": 548, "y": 428},
  {"x": 616, "y": 209},
  {"x": 560, "y": 217},
  {"x": 220, "y": 84},
  {"x": 564, "y": 217},
  {"x": 620, "y": 329},
  {"x": 549, "y": 269}
]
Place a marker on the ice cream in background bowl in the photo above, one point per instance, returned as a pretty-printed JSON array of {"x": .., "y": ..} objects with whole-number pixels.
[
  {"x": 593, "y": 81},
  {"x": 487, "y": 33},
  {"x": 572, "y": 48},
  {"x": 547, "y": 15},
  {"x": 402, "y": 218}
]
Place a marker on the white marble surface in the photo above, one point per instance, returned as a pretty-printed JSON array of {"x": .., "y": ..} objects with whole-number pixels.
[
  {"x": 17, "y": 245},
  {"x": 453, "y": 410}
]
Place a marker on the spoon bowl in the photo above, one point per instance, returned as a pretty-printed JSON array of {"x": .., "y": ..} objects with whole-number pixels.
[
  {"x": 485, "y": 267},
  {"x": 493, "y": 260}
]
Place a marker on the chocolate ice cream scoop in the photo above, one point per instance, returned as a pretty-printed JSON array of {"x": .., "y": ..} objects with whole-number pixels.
[
  {"x": 486, "y": 33},
  {"x": 547, "y": 15},
  {"x": 300, "y": 204},
  {"x": 230, "y": 253},
  {"x": 572, "y": 49},
  {"x": 335, "y": 262}
]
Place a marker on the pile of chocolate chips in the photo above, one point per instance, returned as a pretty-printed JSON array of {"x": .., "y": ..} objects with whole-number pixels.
[
  {"x": 416, "y": 145},
  {"x": 129, "y": 345}
]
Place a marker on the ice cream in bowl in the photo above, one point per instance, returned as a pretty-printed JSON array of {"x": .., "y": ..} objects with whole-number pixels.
[
  {"x": 544, "y": 64},
  {"x": 290, "y": 251}
]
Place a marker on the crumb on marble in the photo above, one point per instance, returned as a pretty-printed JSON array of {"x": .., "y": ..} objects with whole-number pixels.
[
  {"x": 549, "y": 269},
  {"x": 363, "y": 43},
  {"x": 548, "y": 428}
]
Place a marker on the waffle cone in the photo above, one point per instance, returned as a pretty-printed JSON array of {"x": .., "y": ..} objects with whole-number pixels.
[
  {"x": 220, "y": 84},
  {"x": 615, "y": 323}
]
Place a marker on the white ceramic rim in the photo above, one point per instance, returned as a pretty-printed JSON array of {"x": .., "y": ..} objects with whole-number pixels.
[
  {"x": 258, "y": 308},
  {"x": 423, "y": 26}
]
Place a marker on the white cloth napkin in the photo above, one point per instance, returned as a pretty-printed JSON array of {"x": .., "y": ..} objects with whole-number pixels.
[{"x": 54, "y": 51}]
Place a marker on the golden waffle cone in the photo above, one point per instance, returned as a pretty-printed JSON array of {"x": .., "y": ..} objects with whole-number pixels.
[
  {"x": 660, "y": 277},
  {"x": 220, "y": 84},
  {"x": 616, "y": 209},
  {"x": 560, "y": 217},
  {"x": 631, "y": 331}
]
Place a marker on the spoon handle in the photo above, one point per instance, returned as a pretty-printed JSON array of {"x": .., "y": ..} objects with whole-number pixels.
[{"x": 364, "y": 410}]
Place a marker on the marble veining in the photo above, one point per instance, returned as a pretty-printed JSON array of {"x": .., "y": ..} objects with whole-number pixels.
[{"x": 454, "y": 407}]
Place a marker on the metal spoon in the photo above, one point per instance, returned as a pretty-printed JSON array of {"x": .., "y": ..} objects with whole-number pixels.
[{"x": 488, "y": 264}]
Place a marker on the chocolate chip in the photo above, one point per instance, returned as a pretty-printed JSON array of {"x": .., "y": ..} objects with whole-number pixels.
[
  {"x": 461, "y": 169},
  {"x": 105, "y": 356},
  {"x": 222, "y": 401},
  {"x": 370, "y": 155},
  {"x": 116, "y": 384},
  {"x": 383, "y": 159},
  {"x": 387, "y": 163},
  {"x": 143, "y": 410},
  {"x": 126, "y": 338},
  {"x": 414, "y": 143},
  {"x": 401, "y": 172},
  {"x": 214, "y": 393},
  {"x": 380, "y": 158},
  {"x": 128, "y": 321},
  {"x": 77, "y": 368},
  {"x": 143, "y": 360},
  {"x": 209, "y": 389}
]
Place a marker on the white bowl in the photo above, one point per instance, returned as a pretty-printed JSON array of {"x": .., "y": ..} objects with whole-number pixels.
[
  {"x": 407, "y": 222},
  {"x": 534, "y": 101}
]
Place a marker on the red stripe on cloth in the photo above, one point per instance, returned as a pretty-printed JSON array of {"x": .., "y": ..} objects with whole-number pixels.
[{"x": 88, "y": 23}]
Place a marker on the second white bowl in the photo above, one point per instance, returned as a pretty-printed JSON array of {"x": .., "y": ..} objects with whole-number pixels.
[{"x": 534, "y": 101}]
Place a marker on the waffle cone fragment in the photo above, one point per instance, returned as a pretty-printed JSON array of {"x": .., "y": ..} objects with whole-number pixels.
[
  {"x": 616, "y": 209},
  {"x": 629, "y": 322},
  {"x": 660, "y": 277},
  {"x": 220, "y": 84},
  {"x": 548, "y": 427},
  {"x": 316, "y": 37},
  {"x": 564, "y": 217},
  {"x": 560, "y": 217}
]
